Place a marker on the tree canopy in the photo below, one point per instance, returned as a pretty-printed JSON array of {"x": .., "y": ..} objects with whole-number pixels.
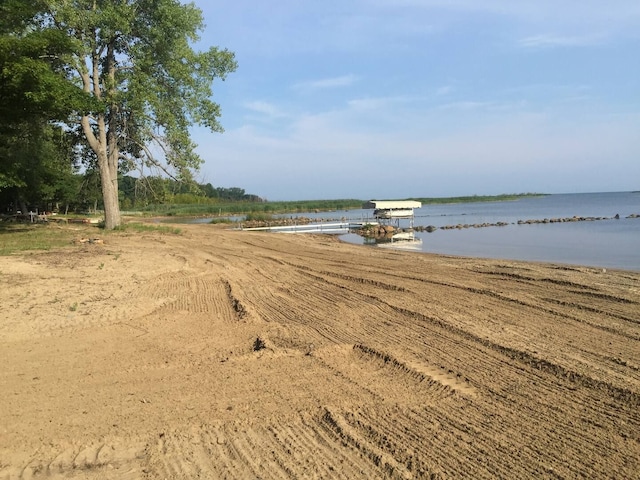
[
  {"x": 37, "y": 153},
  {"x": 123, "y": 74}
]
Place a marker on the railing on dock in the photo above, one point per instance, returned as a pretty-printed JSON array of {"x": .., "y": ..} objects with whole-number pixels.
[{"x": 323, "y": 227}]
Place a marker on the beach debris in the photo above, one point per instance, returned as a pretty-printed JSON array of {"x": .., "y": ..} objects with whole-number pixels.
[
  {"x": 96, "y": 241},
  {"x": 259, "y": 344},
  {"x": 310, "y": 348}
]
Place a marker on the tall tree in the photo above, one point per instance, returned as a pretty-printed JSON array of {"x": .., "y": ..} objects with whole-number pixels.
[
  {"x": 135, "y": 59},
  {"x": 38, "y": 168},
  {"x": 36, "y": 154}
]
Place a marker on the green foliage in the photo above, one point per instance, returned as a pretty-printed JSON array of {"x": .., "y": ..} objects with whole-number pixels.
[
  {"x": 143, "y": 191},
  {"x": 41, "y": 157},
  {"x": 243, "y": 208},
  {"x": 33, "y": 80},
  {"x": 125, "y": 71},
  {"x": 37, "y": 153},
  {"x": 89, "y": 194}
]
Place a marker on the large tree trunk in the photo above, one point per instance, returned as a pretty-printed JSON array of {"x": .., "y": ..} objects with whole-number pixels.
[
  {"x": 104, "y": 141},
  {"x": 109, "y": 174},
  {"x": 108, "y": 165},
  {"x": 109, "y": 181}
]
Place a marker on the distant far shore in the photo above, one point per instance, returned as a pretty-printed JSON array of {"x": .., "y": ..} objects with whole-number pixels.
[{"x": 222, "y": 208}]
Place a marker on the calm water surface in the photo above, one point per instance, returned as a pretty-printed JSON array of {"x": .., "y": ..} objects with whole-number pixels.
[
  {"x": 606, "y": 243},
  {"x": 603, "y": 243}
]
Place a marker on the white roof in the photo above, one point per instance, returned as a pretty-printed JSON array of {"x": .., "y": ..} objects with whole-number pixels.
[{"x": 392, "y": 204}]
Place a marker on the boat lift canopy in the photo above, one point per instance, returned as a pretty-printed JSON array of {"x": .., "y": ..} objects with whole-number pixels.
[
  {"x": 393, "y": 209},
  {"x": 392, "y": 204}
]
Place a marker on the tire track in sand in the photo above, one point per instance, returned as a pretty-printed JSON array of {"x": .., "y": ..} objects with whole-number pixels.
[
  {"x": 195, "y": 293},
  {"x": 391, "y": 379},
  {"x": 284, "y": 448},
  {"x": 619, "y": 393},
  {"x": 119, "y": 458}
]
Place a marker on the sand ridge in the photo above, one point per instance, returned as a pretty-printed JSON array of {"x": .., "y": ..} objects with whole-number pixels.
[{"x": 226, "y": 354}]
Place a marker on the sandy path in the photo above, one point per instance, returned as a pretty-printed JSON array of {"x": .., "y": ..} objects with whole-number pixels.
[{"x": 135, "y": 359}]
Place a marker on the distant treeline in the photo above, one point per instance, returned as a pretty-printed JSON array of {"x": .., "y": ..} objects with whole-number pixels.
[
  {"x": 68, "y": 192},
  {"x": 152, "y": 193},
  {"x": 75, "y": 192},
  {"x": 477, "y": 198},
  {"x": 222, "y": 208}
]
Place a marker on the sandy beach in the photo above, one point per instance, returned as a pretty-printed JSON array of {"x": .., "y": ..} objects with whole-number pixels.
[{"x": 222, "y": 354}]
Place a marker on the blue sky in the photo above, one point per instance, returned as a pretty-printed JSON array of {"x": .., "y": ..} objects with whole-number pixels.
[{"x": 425, "y": 98}]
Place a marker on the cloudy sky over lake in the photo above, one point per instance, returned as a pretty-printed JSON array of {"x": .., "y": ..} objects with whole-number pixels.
[{"x": 398, "y": 98}]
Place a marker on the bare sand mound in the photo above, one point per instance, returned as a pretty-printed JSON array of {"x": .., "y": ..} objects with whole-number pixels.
[{"x": 219, "y": 354}]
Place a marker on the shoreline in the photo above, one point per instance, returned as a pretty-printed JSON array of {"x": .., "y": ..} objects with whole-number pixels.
[{"x": 218, "y": 352}]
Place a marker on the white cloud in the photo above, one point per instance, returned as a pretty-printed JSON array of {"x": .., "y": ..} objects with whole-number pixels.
[
  {"x": 345, "y": 153},
  {"x": 332, "y": 82},
  {"x": 376, "y": 103},
  {"x": 441, "y": 88},
  {"x": 265, "y": 108},
  {"x": 532, "y": 10},
  {"x": 468, "y": 105},
  {"x": 446, "y": 90},
  {"x": 551, "y": 41}
]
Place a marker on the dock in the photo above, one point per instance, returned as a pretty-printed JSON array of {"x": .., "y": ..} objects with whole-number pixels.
[{"x": 323, "y": 227}]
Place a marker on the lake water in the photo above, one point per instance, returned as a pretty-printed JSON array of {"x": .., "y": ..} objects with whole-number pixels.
[{"x": 603, "y": 243}]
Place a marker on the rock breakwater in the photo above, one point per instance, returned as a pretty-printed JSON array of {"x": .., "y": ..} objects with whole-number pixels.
[{"x": 460, "y": 226}]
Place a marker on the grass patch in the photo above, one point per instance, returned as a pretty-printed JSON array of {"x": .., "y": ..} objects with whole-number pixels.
[
  {"x": 147, "y": 227},
  {"x": 25, "y": 237}
]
